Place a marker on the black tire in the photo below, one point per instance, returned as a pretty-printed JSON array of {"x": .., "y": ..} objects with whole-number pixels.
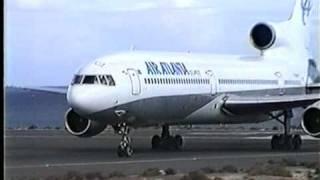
[
  {"x": 128, "y": 151},
  {"x": 297, "y": 141},
  {"x": 120, "y": 151},
  {"x": 155, "y": 142},
  {"x": 178, "y": 142},
  {"x": 288, "y": 145},
  {"x": 275, "y": 142}
]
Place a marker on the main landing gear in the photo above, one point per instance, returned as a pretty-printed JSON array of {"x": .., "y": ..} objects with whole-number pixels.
[
  {"x": 286, "y": 141},
  {"x": 166, "y": 141},
  {"x": 125, "y": 148}
]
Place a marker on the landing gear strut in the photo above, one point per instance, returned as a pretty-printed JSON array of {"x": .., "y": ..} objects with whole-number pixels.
[
  {"x": 124, "y": 149},
  {"x": 166, "y": 141},
  {"x": 286, "y": 141}
]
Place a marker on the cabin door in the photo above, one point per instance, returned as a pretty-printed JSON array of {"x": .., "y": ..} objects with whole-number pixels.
[
  {"x": 135, "y": 81},
  {"x": 213, "y": 82},
  {"x": 280, "y": 83}
]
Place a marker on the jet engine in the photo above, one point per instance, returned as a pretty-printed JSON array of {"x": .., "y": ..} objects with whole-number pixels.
[
  {"x": 82, "y": 127},
  {"x": 311, "y": 120},
  {"x": 263, "y": 36}
]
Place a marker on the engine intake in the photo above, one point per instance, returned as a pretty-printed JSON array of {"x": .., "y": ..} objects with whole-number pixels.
[
  {"x": 262, "y": 36},
  {"x": 311, "y": 120},
  {"x": 82, "y": 127}
]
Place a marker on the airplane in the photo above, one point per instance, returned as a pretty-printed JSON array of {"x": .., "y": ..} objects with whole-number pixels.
[{"x": 140, "y": 89}]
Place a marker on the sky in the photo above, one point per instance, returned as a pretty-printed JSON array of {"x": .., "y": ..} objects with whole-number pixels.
[{"x": 47, "y": 41}]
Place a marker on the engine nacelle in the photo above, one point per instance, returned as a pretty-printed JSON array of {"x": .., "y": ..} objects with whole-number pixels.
[
  {"x": 82, "y": 127},
  {"x": 311, "y": 120},
  {"x": 263, "y": 36}
]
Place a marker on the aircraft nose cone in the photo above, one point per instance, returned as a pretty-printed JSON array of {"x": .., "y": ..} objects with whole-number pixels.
[{"x": 79, "y": 100}]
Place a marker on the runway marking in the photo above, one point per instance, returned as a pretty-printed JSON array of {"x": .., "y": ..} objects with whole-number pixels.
[{"x": 165, "y": 160}]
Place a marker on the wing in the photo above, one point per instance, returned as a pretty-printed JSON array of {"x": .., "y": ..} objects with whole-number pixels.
[
  {"x": 51, "y": 89},
  {"x": 238, "y": 105}
]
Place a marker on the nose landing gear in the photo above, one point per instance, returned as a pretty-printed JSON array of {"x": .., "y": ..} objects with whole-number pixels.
[
  {"x": 125, "y": 148},
  {"x": 166, "y": 141}
]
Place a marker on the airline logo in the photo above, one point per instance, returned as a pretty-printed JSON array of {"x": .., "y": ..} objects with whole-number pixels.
[{"x": 171, "y": 68}]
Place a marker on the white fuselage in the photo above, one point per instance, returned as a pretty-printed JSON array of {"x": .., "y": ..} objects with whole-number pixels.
[{"x": 145, "y": 78}]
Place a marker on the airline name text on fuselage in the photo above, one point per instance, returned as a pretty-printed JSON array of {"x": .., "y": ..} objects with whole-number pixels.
[{"x": 171, "y": 68}]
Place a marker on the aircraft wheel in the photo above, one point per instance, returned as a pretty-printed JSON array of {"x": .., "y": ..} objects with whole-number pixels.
[
  {"x": 124, "y": 151},
  {"x": 288, "y": 145},
  {"x": 297, "y": 142},
  {"x": 128, "y": 151},
  {"x": 275, "y": 142},
  {"x": 120, "y": 151},
  {"x": 155, "y": 142},
  {"x": 178, "y": 142}
]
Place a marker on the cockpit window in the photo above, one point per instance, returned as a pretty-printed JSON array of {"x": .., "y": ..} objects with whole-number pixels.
[
  {"x": 94, "y": 79},
  {"x": 90, "y": 80},
  {"x": 313, "y": 72},
  {"x": 103, "y": 79},
  {"x": 77, "y": 79},
  {"x": 110, "y": 80}
]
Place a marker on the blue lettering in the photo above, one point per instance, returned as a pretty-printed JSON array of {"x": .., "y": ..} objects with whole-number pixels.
[
  {"x": 149, "y": 68},
  {"x": 185, "y": 70},
  {"x": 175, "y": 68},
  {"x": 172, "y": 68},
  {"x": 181, "y": 69},
  {"x": 164, "y": 67},
  {"x": 155, "y": 68}
]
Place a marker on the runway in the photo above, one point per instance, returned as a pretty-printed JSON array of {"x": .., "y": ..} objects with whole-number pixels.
[{"x": 40, "y": 153}]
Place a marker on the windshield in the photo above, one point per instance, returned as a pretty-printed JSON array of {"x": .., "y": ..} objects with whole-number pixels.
[
  {"x": 94, "y": 79},
  {"x": 77, "y": 79}
]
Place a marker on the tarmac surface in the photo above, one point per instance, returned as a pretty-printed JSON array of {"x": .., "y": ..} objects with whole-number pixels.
[{"x": 41, "y": 153}]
